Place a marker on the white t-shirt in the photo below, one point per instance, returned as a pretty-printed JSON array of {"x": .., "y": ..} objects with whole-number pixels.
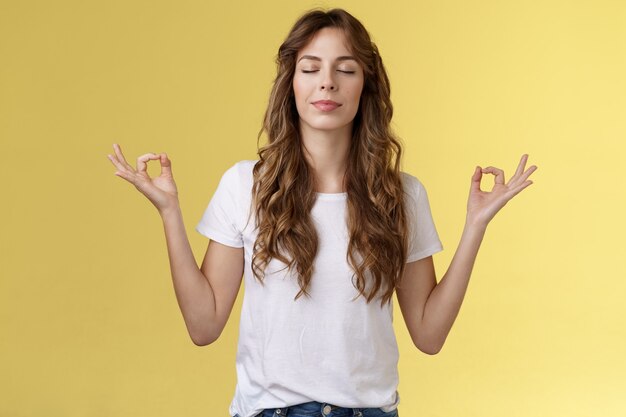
[{"x": 326, "y": 348}]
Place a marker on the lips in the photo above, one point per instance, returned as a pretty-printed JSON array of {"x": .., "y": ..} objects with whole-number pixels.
[{"x": 326, "y": 105}]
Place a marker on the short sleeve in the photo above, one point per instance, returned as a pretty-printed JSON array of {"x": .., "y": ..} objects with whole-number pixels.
[
  {"x": 220, "y": 221},
  {"x": 423, "y": 237}
]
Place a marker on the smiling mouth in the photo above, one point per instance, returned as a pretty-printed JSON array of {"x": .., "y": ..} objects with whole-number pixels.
[{"x": 326, "y": 106}]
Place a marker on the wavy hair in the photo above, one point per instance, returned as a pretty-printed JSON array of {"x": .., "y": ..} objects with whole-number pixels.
[{"x": 283, "y": 190}]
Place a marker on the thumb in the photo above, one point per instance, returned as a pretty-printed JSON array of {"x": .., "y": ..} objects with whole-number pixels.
[
  {"x": 166, "y": 164},
  {"x": 478, "y": 174}
]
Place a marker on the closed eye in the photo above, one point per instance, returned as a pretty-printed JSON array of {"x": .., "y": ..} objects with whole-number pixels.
[{"x": 345, "y": 72}]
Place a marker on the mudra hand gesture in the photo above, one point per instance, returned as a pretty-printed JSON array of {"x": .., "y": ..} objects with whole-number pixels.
[
  {"x": 161, "y": 190},
  {"x": 482, "y": 206}
]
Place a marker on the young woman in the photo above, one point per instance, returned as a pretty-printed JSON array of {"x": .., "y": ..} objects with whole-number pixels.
[{"x": 324, "y": 227}]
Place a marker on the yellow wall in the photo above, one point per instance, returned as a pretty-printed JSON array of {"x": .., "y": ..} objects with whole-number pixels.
[{"x": 89, "y": 324}]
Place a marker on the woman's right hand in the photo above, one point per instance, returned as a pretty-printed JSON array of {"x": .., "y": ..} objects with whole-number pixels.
[{"x": 161, "y": 191}]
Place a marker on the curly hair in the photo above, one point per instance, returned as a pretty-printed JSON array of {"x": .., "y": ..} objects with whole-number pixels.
[{"x": 283, "y": 191}]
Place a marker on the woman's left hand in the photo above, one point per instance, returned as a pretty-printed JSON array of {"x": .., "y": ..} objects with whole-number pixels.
[{"x": 482, "y": 206}]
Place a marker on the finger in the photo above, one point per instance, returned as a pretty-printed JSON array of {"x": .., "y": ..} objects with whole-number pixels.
[
  {"x": 166, "y": 165},
  {"x": 519, "y": 188},
  {"x": 118, "y": 165},
  {"x": 120, "y": 157},
  {"x": 524, "y": 176},
  {"x": 529, "y": 171},
  {"x": 122, "y": 172},
  {"x": 142, "y": 160},
  {"x": 126, "y": 175},
  {"x": 520, "y": 168},
  {"x": 497, "y": 172},
  {"x": 476, "y": 179}
]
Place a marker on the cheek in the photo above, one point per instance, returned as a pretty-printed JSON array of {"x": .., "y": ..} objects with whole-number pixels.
[
  {"x": 300, "y": 96},
  {"x": 355, "y": 90},
  {"x": 355, "y": 95},
  {"x": 298, "y": 88}
]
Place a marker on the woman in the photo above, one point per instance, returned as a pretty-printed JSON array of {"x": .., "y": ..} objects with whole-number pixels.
[{"x": 322, "y": 226}]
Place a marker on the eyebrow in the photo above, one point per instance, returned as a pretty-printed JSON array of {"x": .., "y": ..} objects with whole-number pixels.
[{"x": 339, "y": 58}]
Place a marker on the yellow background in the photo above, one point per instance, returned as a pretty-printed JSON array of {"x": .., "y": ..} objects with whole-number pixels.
[{"x": 89, "y": 321}]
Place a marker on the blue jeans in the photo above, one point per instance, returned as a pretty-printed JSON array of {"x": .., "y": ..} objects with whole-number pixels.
[{"x": 317, "y": 409}]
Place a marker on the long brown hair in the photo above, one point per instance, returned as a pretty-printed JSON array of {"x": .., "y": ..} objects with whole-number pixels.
[{"x": 283, "y": 182}]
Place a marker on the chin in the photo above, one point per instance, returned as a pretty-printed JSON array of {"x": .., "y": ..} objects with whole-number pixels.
[{"x": 327, "y": 125}]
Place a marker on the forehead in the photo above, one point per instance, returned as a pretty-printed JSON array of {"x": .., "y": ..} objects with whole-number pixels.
[{"x": 326, "y": 43}]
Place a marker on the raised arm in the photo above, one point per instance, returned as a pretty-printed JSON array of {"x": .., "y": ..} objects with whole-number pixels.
[
  {"x": 429, "y": 309},
  {"x": 205, "y": 296}
]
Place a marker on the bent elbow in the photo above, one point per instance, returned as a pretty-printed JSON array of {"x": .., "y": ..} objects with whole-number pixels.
[
  {"x": 200, "y": 342},
  {"x": 429, "y": 350},
  {"x": 203, "y": 340}
]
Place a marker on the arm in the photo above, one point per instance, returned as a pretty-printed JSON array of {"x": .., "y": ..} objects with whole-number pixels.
[
  {"x": 205, "y": 296},
  {"x": 430, "y": 309}
]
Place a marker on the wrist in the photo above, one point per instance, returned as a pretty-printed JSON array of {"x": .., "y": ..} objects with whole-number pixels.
[
  {"x": 475, "y": 225},
  {"x": 173, "y": 210}
]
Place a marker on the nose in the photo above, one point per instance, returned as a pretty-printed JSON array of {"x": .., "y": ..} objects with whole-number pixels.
[{"x": 328, "y": 83}]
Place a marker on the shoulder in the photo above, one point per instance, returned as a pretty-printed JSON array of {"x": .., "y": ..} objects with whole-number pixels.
[
  {"x": 242, "y": 168},
  {"x": 238, "y": 180},
  {"x": 240, "y": 173},
  {"x": 412, "y": 185}
]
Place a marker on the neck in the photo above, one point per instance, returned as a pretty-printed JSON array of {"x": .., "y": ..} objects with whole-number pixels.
[{"x": 326, "y": 152}]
